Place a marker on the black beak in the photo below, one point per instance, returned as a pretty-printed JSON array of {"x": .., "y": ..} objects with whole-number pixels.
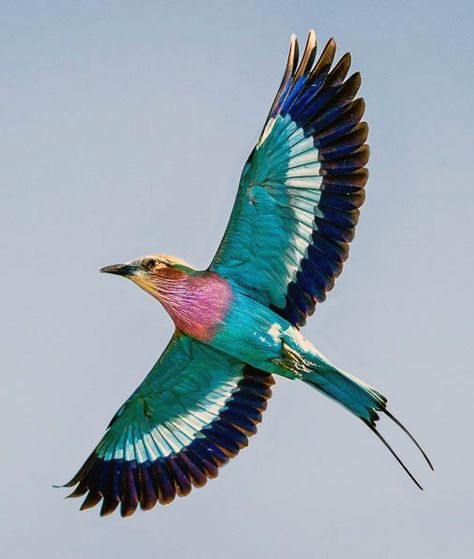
[{"x": 120, "y": 269}]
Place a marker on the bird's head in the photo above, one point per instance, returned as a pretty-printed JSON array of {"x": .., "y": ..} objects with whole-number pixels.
[{"x": 155, "y": 273}]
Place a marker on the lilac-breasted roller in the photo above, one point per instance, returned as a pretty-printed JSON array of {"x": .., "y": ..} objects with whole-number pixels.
[{"x": 238, "y": 323}]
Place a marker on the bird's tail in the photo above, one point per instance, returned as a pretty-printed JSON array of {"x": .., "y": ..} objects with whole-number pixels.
[{"x": 360, "y": 399}]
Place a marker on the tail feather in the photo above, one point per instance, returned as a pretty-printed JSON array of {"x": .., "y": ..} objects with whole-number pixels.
[
  {"x": 410, "y": 436},
  {"x": 398, "y": 459},
  {"x": 359, "y": 398},
  {"x": 363, "y": 401}
]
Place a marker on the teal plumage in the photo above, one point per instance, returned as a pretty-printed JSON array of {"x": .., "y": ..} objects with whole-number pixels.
[
  {"x": 301, "y": 188},
  {"x": 238, "y": 323},
  {"x": 257, "y": 335}
]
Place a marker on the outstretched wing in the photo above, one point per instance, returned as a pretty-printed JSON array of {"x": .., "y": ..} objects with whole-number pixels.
[
  {"x": 297, "y": 204},
  {"x": 195, "y": 410}
]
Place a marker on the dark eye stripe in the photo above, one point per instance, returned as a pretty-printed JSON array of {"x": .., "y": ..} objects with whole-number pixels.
[{"x": 149, "y": 263}]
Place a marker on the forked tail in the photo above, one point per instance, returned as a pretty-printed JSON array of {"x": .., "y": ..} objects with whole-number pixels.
[{"x": 363, "y": 401}]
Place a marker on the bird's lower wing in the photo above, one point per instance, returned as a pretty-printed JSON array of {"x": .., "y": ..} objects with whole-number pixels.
[
  {"x": 298, "y": 199},
  {"x": 195, "y": 410}
]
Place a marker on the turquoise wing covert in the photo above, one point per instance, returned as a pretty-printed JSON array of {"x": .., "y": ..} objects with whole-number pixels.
[
  {"x": 194, "y": 410},
  {"x": 297, "y": 204}
]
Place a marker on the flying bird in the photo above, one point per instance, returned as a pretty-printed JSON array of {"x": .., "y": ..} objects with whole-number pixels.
[{"x": 238, "y": 323}]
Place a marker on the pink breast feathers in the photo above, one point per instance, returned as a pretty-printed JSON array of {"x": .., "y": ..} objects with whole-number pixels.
[{"x": 197, "y": 303}]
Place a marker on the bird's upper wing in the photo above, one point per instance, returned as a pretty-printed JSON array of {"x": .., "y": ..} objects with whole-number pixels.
[
  {"x": 195, "y": 409},
  {"x": 300, "y": 190}
]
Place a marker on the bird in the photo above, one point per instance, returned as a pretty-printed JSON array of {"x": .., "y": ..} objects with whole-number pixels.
[{"x": 238, "y": 323}]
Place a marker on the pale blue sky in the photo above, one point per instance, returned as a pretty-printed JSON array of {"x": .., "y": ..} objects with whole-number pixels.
[{"x": 124, "y": 127}]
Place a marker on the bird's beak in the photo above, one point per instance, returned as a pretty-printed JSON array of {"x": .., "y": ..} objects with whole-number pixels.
[{"x": 121, "y": 269}]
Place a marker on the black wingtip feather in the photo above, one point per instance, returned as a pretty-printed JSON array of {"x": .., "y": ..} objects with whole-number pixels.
[
  {"x": 308, "y": 56},
  {"x": 337, "y": 75},
  {"x": 348, "y": 143},
  {"x": 92, "y": 499},
  {"x": 128, "y": 484},
  {"x": 109, "y": 505},
  {"x": 325, "y": 60}
]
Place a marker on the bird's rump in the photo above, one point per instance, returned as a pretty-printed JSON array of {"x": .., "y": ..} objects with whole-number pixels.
[
  {"x": 300, "y": 190},
  {"x": 195, "y": 410}
]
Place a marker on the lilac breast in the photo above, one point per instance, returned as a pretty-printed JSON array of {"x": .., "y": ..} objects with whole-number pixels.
[{"x": 196, "y": 303}]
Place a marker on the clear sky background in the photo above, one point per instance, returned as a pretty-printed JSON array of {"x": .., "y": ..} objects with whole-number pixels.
[{"x": 124, "y": 127}]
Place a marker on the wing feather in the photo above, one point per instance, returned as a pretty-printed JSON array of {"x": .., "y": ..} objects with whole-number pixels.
[
  {"x": 301, "y": 189},
  {"x": 195, "y": 410}
]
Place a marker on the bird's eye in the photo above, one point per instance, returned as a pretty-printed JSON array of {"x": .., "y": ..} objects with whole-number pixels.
[{"x": 149, "y": 263}]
